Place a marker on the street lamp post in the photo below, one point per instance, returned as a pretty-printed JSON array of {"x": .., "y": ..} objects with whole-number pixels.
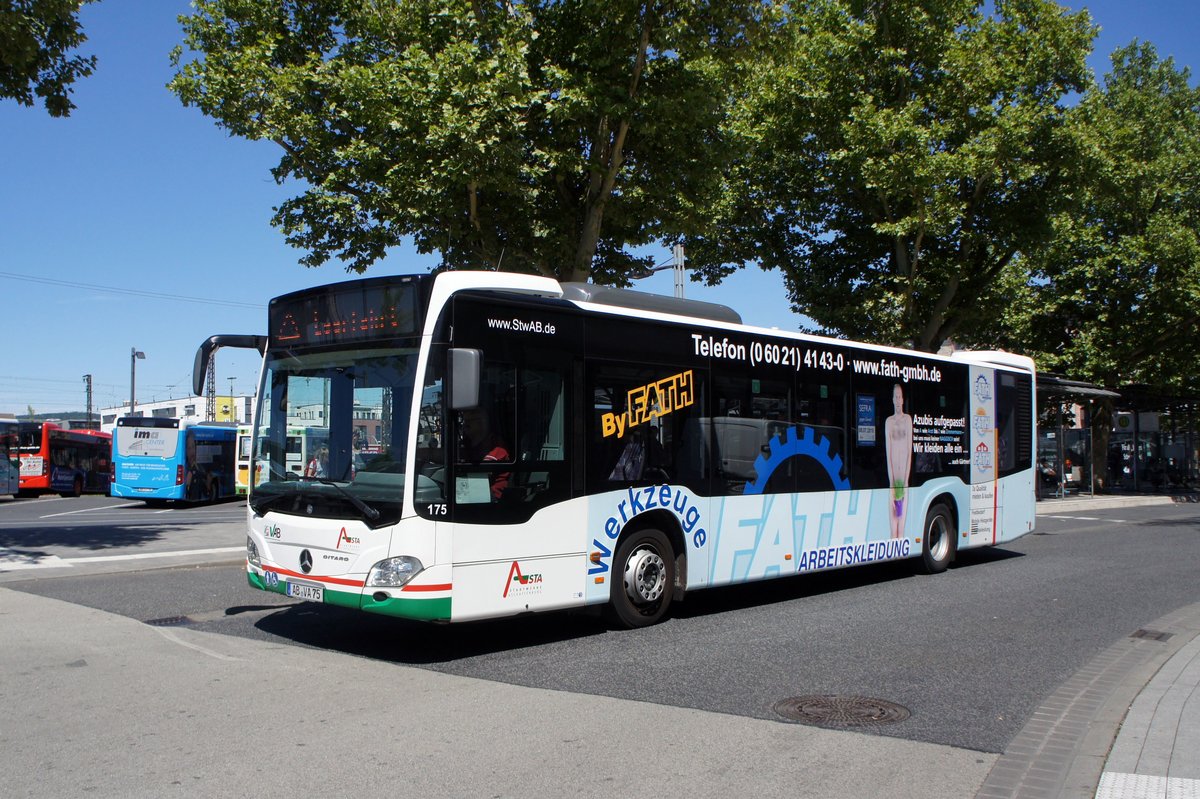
[
  {"x": 134, "y": 354},
  {"x": 677, "y": 264},
  {"x": 232, "y": 406}
]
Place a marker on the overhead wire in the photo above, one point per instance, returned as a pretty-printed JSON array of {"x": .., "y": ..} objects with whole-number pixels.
[{"x": 132, "y": 292}]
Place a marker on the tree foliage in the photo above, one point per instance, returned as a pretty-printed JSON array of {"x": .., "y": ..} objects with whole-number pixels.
[
  {"x": 1118, "y": 287},
  {"x": 898, "y": 156},
  {"x": 542, "y": 136},
  {"x": 37, "y": 38}
]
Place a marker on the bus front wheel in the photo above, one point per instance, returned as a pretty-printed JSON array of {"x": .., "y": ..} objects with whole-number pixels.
[
  {"x": 938, "y": 541},
  {"x": 643, "y": 579},
  {"x": 76, "y": 489}
]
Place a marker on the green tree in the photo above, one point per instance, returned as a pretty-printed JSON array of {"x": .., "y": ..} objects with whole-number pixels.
[
  {"x": 897, "y": 156},
  {"x": 37, "y": 38},
  {"x": 541, "y": 137},
  {"x": 1118, "y": 287}
]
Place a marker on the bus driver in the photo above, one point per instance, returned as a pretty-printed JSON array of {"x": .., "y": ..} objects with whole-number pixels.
[{"x": 480, "y": 444}]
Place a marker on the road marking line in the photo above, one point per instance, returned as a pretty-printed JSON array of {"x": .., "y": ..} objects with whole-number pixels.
[
  {"x": 1085, "y": 519},
  {"x": 1115, "y": 785},
  {"x": 89, "y": 510},
  {"x": 24, "y": 503},
  {"x": 11, "y": 561},
  {"x": 173, "y": 637},
  {"x": 144, "y": 555}
]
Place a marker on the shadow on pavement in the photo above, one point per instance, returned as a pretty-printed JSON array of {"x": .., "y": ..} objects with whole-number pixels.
[
  {"x": 418, "y": 643},
  {"x": 90, "y": 537}
]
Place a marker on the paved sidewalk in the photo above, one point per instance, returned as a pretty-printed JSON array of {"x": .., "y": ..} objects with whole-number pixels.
[
  {"x": 175, "y": 711},
  {"x": 1127, "y": 725},
  {"x": 99, "y": 705},
  {"x": 1157, "y": 752},
  {"x": 1077, "y": 504}
]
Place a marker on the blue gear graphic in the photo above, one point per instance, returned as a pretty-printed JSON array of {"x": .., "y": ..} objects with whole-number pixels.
[{"x": 791, "y": 445}]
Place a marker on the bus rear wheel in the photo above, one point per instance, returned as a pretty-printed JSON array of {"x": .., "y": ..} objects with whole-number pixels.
[
  {"x": 76, "y": 489},
  {"x": 938, "y": 543},
  {"x": 643, "y": 580}
]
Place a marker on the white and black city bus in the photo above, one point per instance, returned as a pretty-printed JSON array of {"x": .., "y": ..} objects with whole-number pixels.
[{"x": 502, "y": 443}]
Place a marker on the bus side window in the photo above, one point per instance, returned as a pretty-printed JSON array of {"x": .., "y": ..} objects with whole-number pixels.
[
  {"x": 1014, "y": 423},
  {"x": 821, "y": 408},
  {"x": 431, "y": 433},
  {"x": 643, "y": 419},
  {"x": 749, "y": 417},
  {"x": 483, "y": 443}
]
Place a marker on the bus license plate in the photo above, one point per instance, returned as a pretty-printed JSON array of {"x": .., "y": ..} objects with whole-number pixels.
[{"x": 311, "y": 593}]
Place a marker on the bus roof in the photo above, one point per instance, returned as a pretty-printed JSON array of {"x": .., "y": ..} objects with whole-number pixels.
[{"x": 169, "y": 422}]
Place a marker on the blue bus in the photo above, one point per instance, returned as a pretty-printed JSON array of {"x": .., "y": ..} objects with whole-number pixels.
[{"x": 157, "y": 459}]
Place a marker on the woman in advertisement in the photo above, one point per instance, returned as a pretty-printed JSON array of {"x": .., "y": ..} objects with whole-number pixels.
[{"x": 898, "y": 439}]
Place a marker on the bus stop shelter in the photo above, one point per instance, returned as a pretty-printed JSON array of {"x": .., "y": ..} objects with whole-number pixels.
[
  {"x": 1147, "y": 441},
  {"x": 1065, "y": 434}
]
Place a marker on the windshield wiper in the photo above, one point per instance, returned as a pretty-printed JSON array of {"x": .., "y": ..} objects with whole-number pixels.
[
  {"x": 262, "y": 504},
  {"x": 366, "y": 510}
]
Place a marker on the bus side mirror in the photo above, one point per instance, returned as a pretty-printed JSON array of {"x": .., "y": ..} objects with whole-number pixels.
[
  {"x": 464, "y": 369},
  {"x": 207, "y": 348}
]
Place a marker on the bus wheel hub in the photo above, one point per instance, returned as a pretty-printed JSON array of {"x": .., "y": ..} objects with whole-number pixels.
[{"x": 645, "y": 576}]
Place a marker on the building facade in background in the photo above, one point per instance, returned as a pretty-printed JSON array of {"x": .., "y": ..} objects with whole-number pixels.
[{"x": 230, "y": 408}]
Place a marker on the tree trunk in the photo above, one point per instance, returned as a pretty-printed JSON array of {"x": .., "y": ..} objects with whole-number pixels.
[{"x": 1101, "y": 421}]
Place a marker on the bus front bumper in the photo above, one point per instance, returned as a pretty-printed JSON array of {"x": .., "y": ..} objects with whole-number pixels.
[{"x": 409, "y": 602}]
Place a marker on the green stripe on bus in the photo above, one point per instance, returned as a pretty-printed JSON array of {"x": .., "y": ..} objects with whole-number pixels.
[
  {"x": 405, "y": 608},
  {"x": 400, "y": 607}
]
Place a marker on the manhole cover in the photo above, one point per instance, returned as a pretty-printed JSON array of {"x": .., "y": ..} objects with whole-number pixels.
[
  {"x": 170, "y": 621},
  {"x": 1153, "y": 635},
  {"x": 840, "y": 711}
]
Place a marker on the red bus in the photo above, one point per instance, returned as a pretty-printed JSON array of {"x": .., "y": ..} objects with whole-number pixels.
[{"x": 71, "y": 462}]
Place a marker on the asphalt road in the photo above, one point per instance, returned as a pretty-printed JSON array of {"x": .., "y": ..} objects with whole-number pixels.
[
  {"x": 105, "y": 534},
  {"x": 970, "y": 652}
]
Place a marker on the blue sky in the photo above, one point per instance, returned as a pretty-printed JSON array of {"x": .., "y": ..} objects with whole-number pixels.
[{"x": 138, "y": 195}]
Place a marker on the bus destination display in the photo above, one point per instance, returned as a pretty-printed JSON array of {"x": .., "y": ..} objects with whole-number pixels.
[{"x": 360, "y": 313}]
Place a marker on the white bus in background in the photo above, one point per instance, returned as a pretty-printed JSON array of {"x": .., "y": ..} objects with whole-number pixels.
[
  {"x": 548, "y": 445},
  {"x": 301, "y": 448},
  {"x": 242, "y": 479}
]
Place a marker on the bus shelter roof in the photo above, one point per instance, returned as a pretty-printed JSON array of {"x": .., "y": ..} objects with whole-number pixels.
[{"x": 1052, "y": 385}]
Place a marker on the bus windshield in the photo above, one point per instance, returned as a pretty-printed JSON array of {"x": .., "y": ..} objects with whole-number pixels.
[
  {"x": 30, "y": 438},
  {"x": 352, "y": 407}
]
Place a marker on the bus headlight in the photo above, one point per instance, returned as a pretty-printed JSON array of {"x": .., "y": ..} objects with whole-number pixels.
[
  {"x": 252, "y": 553},
  {"x": 394, "y": 572}
]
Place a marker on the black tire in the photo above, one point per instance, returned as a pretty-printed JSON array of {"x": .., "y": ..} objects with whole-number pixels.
[
  {"x": 76, "y": 489},
  {"x": 643, "y": 580},
  {"x": 939, "y": 540}
]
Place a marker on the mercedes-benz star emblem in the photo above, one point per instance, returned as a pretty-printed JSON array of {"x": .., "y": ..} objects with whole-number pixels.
[{"x": 306, "y": 561}]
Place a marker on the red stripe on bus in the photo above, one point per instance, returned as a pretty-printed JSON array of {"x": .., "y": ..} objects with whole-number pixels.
[
  {"x": 334, "y": 580},
  {"x": 443, "y": 587}
]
